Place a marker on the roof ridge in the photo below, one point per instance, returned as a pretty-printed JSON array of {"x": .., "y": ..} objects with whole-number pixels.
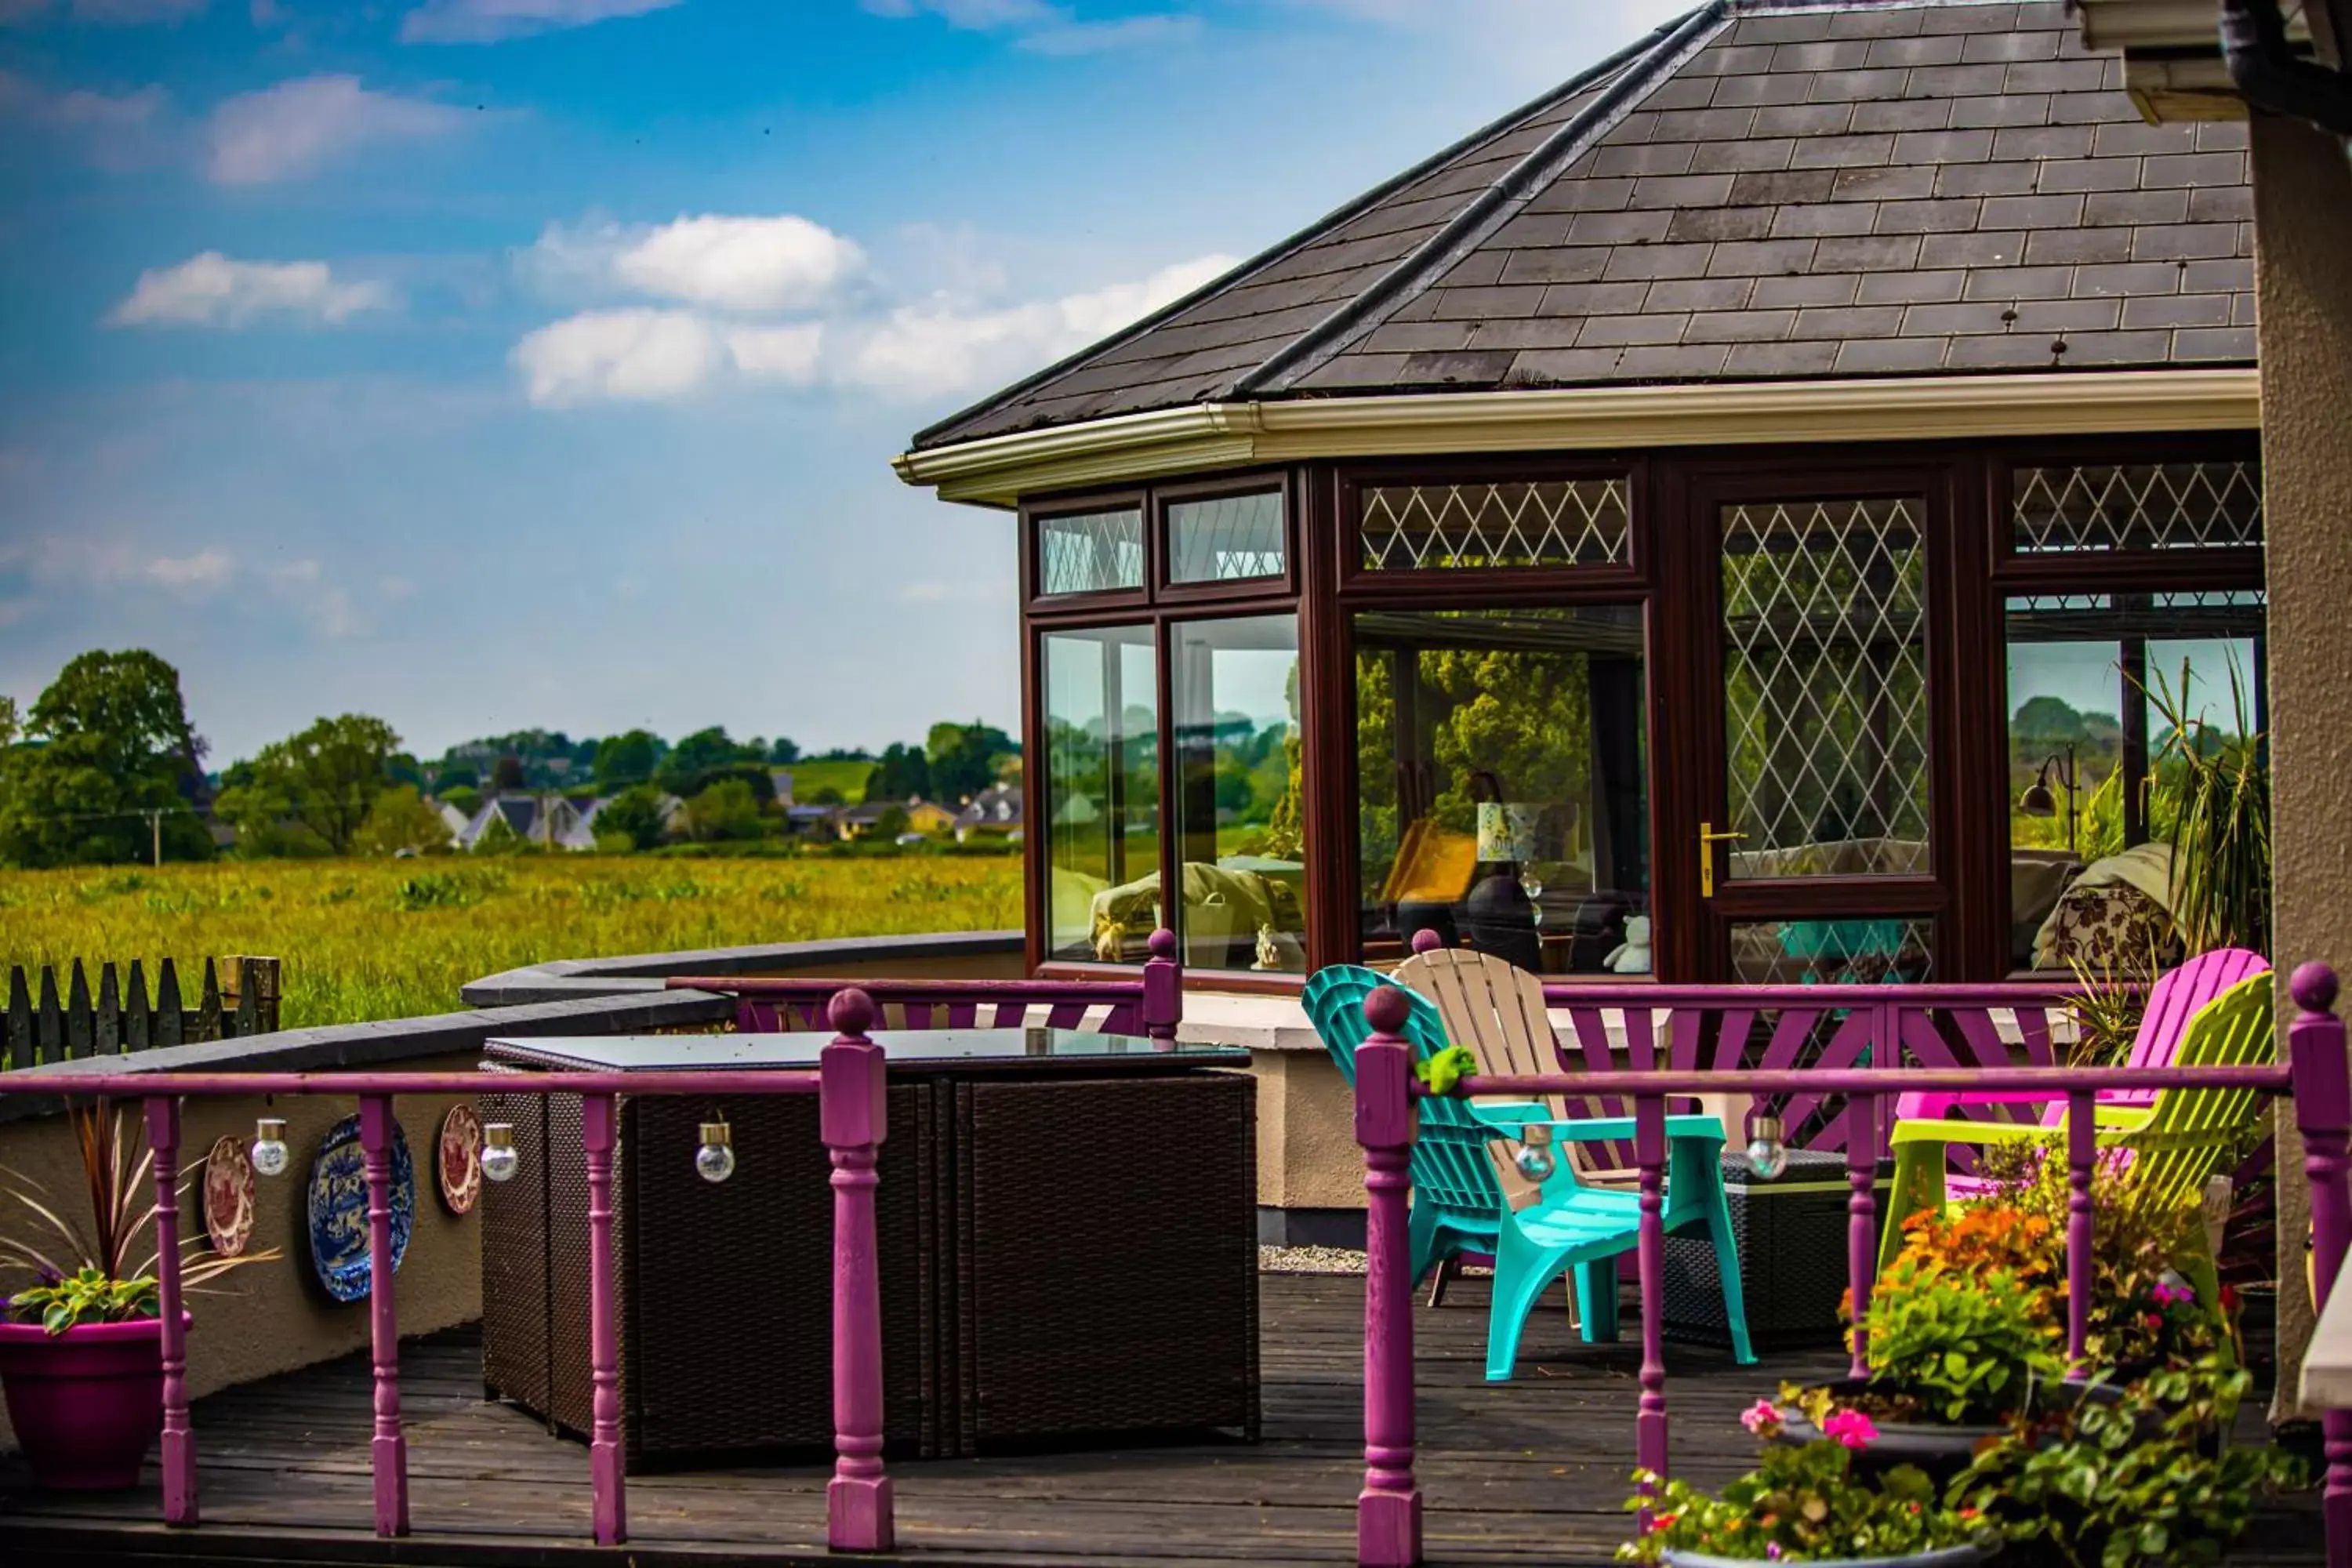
[
  {"x": 1662, "y": 54},
  {"x": 1344, "y": 213}
]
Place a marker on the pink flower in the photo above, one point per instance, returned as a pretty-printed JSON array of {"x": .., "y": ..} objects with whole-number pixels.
[
  {"x": 1762, "y": 1418},
  {"x": 1850, "y": 1427},
  {"x": 2173, "y": 1295},
  {"x": 1772, "y": 1552}
]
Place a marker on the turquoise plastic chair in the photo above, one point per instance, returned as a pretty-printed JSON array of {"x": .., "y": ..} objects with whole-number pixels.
[{"x": 1459, "y": 1205}]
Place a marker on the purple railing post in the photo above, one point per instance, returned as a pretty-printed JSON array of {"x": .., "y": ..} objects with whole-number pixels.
[
  {"x": 1163, "y": 989},
  {"x": 852, "y": 1115},
  {"x": 2082, "y": 1155},
  {"x": 1388, "y": 1511},
  {"x": 2322, "y": 1115},
  {"x": 609, "y": 1507},
  {"x": 179, "y": 1439},
  {"x": 1862, "y": 1219},
  {"x": 1650, "y": 1155},
  {"x": 388, "y": 1451}
]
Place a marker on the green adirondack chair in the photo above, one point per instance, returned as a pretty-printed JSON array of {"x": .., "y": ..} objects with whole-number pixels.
[
  {"x": 2175, "y": 1140},
  {"x": 1459, "y": 1204}
]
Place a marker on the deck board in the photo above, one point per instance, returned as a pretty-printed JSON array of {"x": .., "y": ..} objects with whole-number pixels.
[{"x": 1532, "y": 1471}]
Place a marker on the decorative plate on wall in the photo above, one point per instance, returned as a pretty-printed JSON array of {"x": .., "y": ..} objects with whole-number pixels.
[
  {"x": 338, "y": 1202},
  {"x": 460, "y": 1161},
  {"x": 228, "y": 1196}
]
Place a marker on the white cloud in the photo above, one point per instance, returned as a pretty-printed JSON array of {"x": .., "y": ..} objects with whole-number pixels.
[
  {"x": 922, "y": 351},
  {"x": 201, "y": 572},
  {"x": 487, "y": 21},
  {"x": 1045, "y": 27},
  {"x": 211, "y": 290},
  {"x": 114, "y": 130},
  {"x": 85, "y": 561},
  {"x": 327, "y": 608},
  {"x": 298, "y": 127},
  {"x": 635, "y": 355},
  {"x": 778, "y": 353},
  {"x": 738, "y": 264}
]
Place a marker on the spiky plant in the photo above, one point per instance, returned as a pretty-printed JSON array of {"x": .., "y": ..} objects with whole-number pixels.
[{"x": 2220, "y": 833}]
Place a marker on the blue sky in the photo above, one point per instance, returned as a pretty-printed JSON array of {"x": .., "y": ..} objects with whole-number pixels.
[{"x": 487, "y": 363}]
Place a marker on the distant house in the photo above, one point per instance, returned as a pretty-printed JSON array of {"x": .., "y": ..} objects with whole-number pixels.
[
  {"x": 545, "y": 819},
  {"x": 923, "y": 816},
  {"x": 994, "y": 812},
  {"x": 456, "y": 821},
  {"x": 783, "y": 779}
]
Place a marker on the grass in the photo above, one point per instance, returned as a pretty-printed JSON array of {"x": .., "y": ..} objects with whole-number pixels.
[
  {"x": 388, "y": 939},
  {"x": 849, "y": 778}
]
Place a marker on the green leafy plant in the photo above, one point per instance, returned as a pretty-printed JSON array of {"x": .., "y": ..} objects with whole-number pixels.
[
  {"x": 82, "y": 1272},
  {"x": 1803, "y": 1505},
  {"x": 2219, "y": 785},
  {"x": 2128, "y": 1485},
  {"x": 1961, "y": 1322},
  {"x": 2108, "y": 1006}
]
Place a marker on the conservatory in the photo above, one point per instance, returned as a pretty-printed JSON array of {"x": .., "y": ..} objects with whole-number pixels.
[{"x": 1771, "y": 511}]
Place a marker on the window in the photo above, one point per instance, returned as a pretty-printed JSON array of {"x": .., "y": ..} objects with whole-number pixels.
[
  {"x": 2092, "y": 679},
  {"x": 1550, "y": 523},
  {"x": 1226, "y": 539},
  {"x": 1239, "y": 807},
  {"x": 1101, "y": 818},
  {"x": 2135, "y": 507},
  {"x": 1090, "y": 553},
  {"x": 1503, "y": 784}
]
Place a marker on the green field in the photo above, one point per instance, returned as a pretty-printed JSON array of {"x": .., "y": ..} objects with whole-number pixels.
[
  {"x": 849, "y": 778},
  {"x": 388, "y": 939}
]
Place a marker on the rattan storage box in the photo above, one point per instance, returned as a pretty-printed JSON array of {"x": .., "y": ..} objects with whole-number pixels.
[
  {"x": 1026, "y": 1298},
  {"x": 1791, "y": 1235}
]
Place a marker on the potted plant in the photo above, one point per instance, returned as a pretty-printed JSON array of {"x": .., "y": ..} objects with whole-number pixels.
[
  {"x": 80, "y": 1349},
  {"x": 1811, "y": 1504},
  {"x": 2127, "y": 1485}
]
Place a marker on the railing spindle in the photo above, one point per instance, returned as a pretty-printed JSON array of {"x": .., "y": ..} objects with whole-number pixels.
[
  {"x": 1862, "y": 1219},
  {"x": 610, "y": 1506},
  {"x": 1163, "y": 989},
  {"x": 1387, "y": 1509},
  {"x": 388, "y": 1451},
  {"x": 853, "y": 1115},
  {"x": 179, "y": 1452},
  {"x": 2081, "y": 1155},
  {"x": 1650, "y": 1153},
  {"x": 2322, "y": 1115}
]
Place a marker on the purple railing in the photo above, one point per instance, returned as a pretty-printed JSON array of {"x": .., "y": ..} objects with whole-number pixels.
[
  {"x": 1152, "y": 1006},
  {"x": 1389, "y": 1509},
  {"x": 848, "y": 1082}
]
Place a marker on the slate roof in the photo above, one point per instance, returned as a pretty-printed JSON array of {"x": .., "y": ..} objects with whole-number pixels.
[{"x": 1761, "y": 190}]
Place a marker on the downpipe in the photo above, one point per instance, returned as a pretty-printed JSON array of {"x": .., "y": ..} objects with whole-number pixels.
[{"x": 2273, "y": 76}]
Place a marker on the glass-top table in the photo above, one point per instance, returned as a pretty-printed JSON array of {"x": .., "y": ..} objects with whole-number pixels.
[
  {"x": 1066, "y": 1223},
  {"x": 906, "y": 1050}
]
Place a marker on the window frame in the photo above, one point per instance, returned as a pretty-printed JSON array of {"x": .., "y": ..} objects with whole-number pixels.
[{"x": 1161, "y": 553}]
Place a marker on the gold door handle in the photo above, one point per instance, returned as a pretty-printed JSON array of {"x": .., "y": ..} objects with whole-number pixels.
[{"x": 1708, "y": 839}]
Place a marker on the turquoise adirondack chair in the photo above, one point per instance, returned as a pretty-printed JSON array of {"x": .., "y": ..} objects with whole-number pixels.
[
  {"x": 1459, "y": 1204},
  {"x": 2175, "y": 1140}
]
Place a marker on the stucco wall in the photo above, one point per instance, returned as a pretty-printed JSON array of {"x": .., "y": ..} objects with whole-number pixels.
[
  {"x": 274, "y": 1317},
  {"x": 1306, "y": 1153},
  {"x": 2302, "y": 205}
]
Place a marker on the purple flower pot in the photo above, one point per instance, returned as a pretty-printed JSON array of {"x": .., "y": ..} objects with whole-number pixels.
[{"x": 87, "y": 1402}]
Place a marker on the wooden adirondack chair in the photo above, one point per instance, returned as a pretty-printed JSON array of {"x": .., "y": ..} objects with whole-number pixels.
[
  {"x": 2175, "y": 1140},
  {"x": 1498, "y": 1010},
  {"x": 2179, "y": 995},
  {"x": 1459, "y": 1205}
]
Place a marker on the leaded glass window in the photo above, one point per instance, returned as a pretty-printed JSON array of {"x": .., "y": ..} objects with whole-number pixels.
[
  {"x": 1226, "y": 538},
  {"x": 2135, "y": 507},
  {"x": 1546, "y": 522},
  {"x": 1090, "y": 553}
]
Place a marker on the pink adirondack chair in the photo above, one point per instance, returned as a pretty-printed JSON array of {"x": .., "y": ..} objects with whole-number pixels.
[{"x": 2179, "y": 995}]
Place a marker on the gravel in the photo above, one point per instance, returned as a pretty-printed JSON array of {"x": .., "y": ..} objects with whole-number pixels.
[{"x": 1309, "y": 1260}]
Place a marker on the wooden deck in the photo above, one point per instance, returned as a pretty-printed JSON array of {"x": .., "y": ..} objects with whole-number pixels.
[{"x": 1529, "y": 1472}]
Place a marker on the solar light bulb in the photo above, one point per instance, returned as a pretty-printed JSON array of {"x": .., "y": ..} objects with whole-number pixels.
[
  {"x": 500, "y": 1159},
  {"x": 268, "y": 1151},
  {"x": 1766, "y": 1155},
  {"x": 1534, "y": 1162},
  {"x": 716, "y": 1159}
]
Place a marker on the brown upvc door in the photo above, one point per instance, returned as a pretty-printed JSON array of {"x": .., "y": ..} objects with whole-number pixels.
[{"x": 1808, "y": 840}]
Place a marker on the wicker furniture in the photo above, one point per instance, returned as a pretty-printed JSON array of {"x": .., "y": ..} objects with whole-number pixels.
[
  {"x": 1790, "y": 1234},
  {"x": 1067, "y": 1224}
]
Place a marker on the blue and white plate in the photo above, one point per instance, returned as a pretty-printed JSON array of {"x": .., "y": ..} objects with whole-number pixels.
[{"x": 339, "y": 1204}]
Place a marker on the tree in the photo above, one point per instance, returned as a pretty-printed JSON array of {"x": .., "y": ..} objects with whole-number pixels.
[
  {"x": 903, "y": 774},
  {"x": 110, "y": 765},
  {"x": 724, "y": 811},
  {"x": 325, "y": 779},
  {"x": 892, "y": 822},
  {"x": 400, "y": 819},
  {"x": 463, "y": 797},
  {"x": 508, "y": 775},
  {"x": 400, "y": 768},
  {"x": 783, "y": 752},
  {"x": 963, "y": 758},
  {"x": 826, "y": 795},
  {"x": 623, "y": 761},
  {"x": 684, "y": 772},
  {"x": 456, "y": 775},
  {"x": 634, "y": 815}
]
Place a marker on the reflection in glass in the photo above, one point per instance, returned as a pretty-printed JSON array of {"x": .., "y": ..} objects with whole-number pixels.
[
  {"x": 1240, "y": 834},
  {"x": 1226, "y": 538},
  {"x": 1090, "y": 553},
  {"x": 1865, "y": 951},
  {"x": 1504, "y": 802},
  {"x": 1102, "y": 793}
]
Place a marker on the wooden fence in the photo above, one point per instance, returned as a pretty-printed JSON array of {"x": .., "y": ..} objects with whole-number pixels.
[{"x": 42, "y": 1028}]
